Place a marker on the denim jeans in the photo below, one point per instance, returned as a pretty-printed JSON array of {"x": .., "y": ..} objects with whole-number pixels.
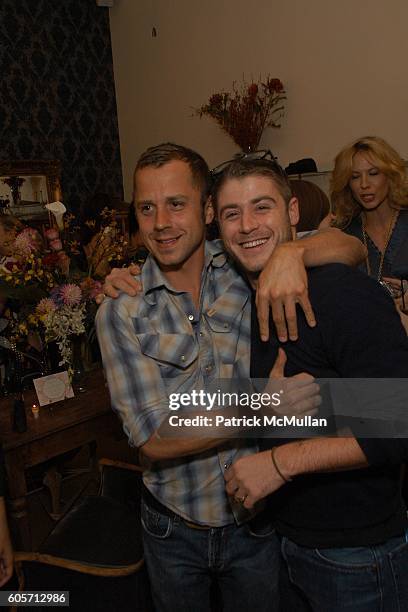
[
  {"x": 184, "y": 563},
  {"x": 361, "y": 579}
]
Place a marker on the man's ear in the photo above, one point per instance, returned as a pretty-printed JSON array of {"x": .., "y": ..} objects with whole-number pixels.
[
  {"x": 293, "y": 211},
  {"x": 208, "y": 211}
]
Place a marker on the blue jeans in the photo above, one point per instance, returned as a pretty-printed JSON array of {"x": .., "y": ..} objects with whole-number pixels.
[
  {"x": 184, "y": 563},
  {"x": 363, "y": 579}
]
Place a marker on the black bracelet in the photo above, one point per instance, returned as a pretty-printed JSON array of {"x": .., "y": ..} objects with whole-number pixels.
[{"x": 275, "y": 465}]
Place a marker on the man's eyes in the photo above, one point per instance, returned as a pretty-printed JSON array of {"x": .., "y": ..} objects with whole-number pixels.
[
  {"x": 145, "y": 208},
  {"x": 230, "y": 214}
]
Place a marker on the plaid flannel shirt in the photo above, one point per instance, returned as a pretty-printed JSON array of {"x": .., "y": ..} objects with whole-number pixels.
[{"x": 157, "y": 343}]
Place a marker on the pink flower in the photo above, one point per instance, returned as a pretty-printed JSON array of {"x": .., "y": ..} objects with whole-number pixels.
[
  {"x": 27, "y": 241},
  {"x": 51, "y": 234},
  {"x": 45, "y": 306},
  {"x": 70, "y": 294},
  {"x": 56, "y": 245}
]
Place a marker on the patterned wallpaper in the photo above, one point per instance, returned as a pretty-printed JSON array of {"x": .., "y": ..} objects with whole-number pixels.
[{"x": 57, "y": 96}]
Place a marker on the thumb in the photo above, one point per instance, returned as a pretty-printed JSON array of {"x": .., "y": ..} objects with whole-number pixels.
[{"x": 278, "y": 370}]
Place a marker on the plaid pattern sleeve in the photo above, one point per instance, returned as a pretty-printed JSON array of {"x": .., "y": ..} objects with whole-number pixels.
[{"x": 137, "y": 390}]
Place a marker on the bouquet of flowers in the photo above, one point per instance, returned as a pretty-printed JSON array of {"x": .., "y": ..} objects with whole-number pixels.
[
  {"x": 247, "y": 110},
  {"x": 48, "y": 296}
]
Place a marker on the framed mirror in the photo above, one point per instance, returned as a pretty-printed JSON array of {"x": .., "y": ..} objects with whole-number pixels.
[{"x": 26, "y": 185}]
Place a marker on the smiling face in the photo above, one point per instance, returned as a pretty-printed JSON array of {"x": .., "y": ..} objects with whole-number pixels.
[
  {"x": 171, "y": 216},
  {"x": 368, "y": 184},
  {"x": 254, "y": 218}
]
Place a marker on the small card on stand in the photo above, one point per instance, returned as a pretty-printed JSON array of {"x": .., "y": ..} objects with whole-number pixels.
[{"x": 53, "y": 388}]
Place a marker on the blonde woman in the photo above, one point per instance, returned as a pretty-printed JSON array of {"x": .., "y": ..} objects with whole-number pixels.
[{"x": 369, "y": 193}]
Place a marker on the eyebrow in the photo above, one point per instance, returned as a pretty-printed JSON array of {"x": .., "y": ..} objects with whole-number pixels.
[
  {"x": 253, "y": 201},
  {"x": 177, "y": 196},
  {"x": 172, "y": 198}
]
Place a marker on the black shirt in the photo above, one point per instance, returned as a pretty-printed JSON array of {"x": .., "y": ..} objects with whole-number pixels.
[{"x": 358, "y": 335}]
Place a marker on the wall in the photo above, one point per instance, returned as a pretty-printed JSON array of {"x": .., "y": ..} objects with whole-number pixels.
[
  {"x": 57, "y": 97},
  {"x": 343, "y": 65}
]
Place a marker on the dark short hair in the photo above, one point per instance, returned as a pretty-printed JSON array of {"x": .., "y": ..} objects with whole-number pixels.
[
  {"x": 314, "y": 205},
  {"x": 241, "y": 168},
  {"x": 166, "y": 152}
]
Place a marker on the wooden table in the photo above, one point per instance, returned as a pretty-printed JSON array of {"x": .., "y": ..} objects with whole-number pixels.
[{"x": 60, "y": 427}]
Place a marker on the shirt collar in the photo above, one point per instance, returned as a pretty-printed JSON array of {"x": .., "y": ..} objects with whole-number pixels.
[{"x": 153, "y": 279}]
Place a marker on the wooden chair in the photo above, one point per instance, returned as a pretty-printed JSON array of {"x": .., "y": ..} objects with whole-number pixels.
[{"x": 98, "y": 540}]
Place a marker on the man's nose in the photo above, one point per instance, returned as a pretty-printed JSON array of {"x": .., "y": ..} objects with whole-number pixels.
[
  {"x": 248, "y": 222},
  {"x": 162, "y": 219}
]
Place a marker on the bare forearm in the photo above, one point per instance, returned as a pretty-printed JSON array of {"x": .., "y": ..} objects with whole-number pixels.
[
  {"x": 159, "y": 449},
  {"x": 331, "y": 245},
  {"x": 319, "y": 455}
]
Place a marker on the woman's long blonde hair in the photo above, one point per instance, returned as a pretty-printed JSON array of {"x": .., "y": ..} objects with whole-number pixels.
[{"x": 385, "y": 158}]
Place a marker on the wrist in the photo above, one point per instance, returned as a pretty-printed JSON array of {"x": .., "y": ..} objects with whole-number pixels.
[
  {"x": 293, "y": 247},
  {"x": 285, "y": 457},
  {"x": 279, "y": 465}
]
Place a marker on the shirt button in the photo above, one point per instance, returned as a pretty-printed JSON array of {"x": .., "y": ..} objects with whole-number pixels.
[
  {"x": 191, "y": 317},
  {"x": 183, "y": 358},
  {"x": 201, "y": 334}
]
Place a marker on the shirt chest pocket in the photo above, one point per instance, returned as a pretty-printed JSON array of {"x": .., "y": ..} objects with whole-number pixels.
[
  {"x": 174, "y": 353},
  {"x": 228, "y": 340}
]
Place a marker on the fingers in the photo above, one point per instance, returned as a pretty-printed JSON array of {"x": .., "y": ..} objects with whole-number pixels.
[
  {"x": 291, "y": 319},
  {"x": 134, "y": 269},
  {"x": 121, "y": 279},
  {"x": 110, "y": 291},
  {"x": 278, "y": 370},
  {"x": 278, "y": 315},
  {"x": 262, "y": 310},
  {"x": 235, "y": 490},
  {"x": 307, "y": 309},
  {"x": 300, "y": 400}
]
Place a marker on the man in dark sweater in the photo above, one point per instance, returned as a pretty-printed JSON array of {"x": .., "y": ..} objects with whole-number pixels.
[{"x": 343, "y": 533}]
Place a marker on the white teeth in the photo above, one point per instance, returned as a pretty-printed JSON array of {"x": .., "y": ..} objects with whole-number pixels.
[{"x": 254, "y": 243}]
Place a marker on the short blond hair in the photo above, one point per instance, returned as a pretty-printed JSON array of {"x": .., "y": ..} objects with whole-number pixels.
[{"x": 385, "y": 158}]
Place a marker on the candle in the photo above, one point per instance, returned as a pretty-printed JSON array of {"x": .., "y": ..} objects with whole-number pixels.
[{"x": 35, "y": 410}]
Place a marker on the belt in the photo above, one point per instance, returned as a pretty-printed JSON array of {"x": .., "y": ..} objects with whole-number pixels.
[{"x": 159, "y": 507}]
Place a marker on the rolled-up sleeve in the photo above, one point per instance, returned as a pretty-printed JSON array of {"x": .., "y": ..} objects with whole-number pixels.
[{"x": 136, "y": 386}]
